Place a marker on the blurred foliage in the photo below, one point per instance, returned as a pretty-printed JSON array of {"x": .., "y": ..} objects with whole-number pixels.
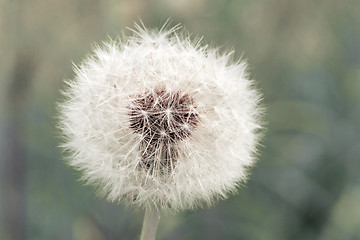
[{"x": 305, "y": 56}]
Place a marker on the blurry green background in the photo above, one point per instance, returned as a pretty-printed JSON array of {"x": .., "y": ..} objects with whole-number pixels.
[{"x": 305, "y": 56}]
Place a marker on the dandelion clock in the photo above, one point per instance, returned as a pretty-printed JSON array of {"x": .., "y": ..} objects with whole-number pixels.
[{"x": 160, "y": 122}]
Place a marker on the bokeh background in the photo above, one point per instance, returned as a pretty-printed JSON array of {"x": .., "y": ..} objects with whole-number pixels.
[{"x": 305, "y": 56}]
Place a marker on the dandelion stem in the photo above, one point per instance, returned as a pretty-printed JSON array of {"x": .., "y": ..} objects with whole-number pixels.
[{"x": 150, "y": 224}]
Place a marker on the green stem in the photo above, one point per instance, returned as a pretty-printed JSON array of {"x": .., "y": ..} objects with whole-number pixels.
[{"x": 150, "y": 224}]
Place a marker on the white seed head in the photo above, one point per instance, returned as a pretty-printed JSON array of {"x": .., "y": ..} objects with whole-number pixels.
[{"x": 159, "y": 121}]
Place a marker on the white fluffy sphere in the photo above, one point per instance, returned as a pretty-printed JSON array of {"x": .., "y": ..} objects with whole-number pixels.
[{"x": 159, "y": 121}]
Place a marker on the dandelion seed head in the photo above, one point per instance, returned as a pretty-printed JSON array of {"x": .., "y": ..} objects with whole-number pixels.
[{"x": 158, "y": 120}]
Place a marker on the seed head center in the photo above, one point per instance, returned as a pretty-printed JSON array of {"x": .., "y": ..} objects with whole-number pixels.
[{"x": 162, "y": 116}]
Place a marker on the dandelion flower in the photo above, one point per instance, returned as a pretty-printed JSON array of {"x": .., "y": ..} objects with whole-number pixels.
[{"x": 160, "y": 121}]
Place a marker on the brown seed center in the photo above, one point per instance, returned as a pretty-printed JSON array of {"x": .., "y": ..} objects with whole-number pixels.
[{"x": 163, "y": 118}]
